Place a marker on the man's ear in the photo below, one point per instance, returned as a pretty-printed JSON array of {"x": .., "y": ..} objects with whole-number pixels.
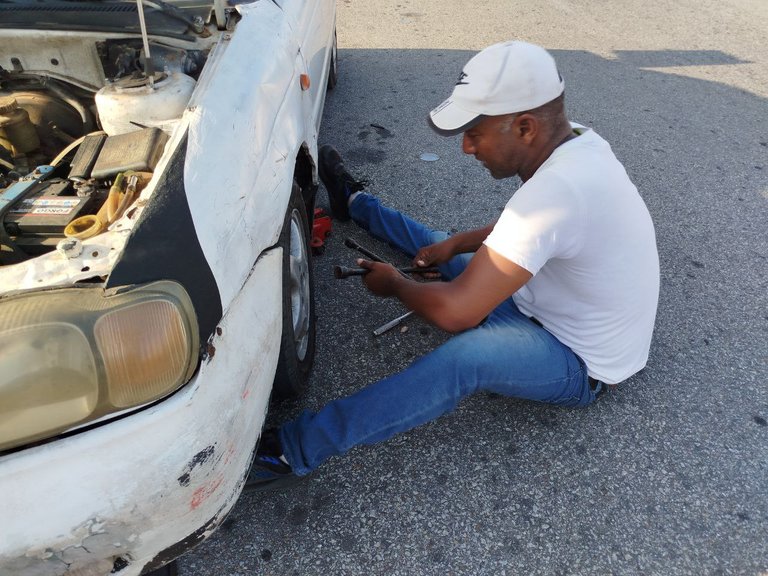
[{"x": 527, "y": 127}]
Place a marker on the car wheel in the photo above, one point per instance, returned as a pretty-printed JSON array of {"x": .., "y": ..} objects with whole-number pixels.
[
  {"x": 332, "y": 72},
  {"x": 297, "y": 347},
  {"x": 170, "y": 569}
]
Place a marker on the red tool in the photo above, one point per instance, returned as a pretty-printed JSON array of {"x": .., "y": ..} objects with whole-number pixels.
[{"x": 321, "y": 227}]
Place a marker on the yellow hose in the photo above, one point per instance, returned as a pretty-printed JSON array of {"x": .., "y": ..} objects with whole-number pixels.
[
  {"x": 114, "y": 206},
  {"x": 113, "y": 199},
  {"x": 84, "y": 227}
]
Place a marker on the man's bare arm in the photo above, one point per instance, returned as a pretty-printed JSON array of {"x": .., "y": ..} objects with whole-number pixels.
[{"x": 463, "y": 303}]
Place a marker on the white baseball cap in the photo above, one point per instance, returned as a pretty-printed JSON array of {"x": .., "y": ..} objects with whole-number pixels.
[{"x": 504, "y": 78}]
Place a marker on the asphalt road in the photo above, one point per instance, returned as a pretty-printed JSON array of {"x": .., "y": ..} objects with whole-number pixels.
[{"x": 669, "y": 475}]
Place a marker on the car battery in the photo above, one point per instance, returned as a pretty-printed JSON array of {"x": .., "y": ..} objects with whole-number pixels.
[
  {"x": 37, "y": 221},
  {"x": 138, "y": 151}
]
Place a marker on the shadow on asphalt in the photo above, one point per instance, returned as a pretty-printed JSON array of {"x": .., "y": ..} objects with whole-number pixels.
[{"x": 665, "y": 476}]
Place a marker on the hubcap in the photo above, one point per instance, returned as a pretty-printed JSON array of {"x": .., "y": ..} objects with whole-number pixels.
[{"x": 299, "y": 270}]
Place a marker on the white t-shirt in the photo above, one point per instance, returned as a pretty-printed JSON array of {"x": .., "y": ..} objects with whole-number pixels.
[{"x": 583, "y": 231}]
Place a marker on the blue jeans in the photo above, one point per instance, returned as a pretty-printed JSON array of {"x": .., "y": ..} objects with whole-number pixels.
[{"x": 507, "y": 354}]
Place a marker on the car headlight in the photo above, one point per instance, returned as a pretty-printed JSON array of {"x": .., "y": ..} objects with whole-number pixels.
[{"x": 73, "y": 355}]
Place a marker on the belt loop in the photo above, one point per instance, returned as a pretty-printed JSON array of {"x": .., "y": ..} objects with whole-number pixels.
[{"x": 596, "y": 386}]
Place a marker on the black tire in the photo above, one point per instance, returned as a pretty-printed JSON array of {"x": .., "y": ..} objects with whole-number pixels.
[
  {"x": 333, "y": 76},
  {"x": 297, "y": 347},
  {"x": 170, "y": 569}
]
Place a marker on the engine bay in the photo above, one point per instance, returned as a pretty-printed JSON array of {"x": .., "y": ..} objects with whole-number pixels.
[
  {"x": 84, "y": 119},
  {"x": 77, "y": 198}
]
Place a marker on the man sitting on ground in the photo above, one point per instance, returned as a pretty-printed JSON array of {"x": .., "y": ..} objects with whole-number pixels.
[{"x": 553, "y": 302}]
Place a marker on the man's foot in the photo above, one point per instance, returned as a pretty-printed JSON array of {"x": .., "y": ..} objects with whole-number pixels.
[
  {"x": 270, "y": 470},
  {"x": 338, "y": 182}
]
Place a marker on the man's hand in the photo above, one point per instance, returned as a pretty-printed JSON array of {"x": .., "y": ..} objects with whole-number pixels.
[
  {"x": 462, "y": 242},
  {"x": 488, "y": 280},
  {"x": 434, "y": 254},
  {"x": 381, "y": 278}
]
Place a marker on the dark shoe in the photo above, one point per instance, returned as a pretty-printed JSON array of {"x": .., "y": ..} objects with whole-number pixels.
[
  {"x": 338, "y": 182},
  {"x": 269, "y": 471}
]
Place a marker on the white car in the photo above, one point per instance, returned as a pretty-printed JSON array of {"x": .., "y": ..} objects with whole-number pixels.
[{"x": 157, "y": 180}]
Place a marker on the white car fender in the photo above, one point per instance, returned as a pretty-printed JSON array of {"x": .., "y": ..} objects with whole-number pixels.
[{"x": 238, "y": 208}]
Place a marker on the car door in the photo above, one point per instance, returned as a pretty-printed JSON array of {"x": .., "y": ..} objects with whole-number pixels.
[{"x": 313, "y": 23}]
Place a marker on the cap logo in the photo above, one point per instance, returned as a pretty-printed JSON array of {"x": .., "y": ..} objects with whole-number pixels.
[{"x": 460, "y": 81}]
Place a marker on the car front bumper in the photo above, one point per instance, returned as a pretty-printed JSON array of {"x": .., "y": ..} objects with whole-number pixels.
[{"x": 120, "y": 497}]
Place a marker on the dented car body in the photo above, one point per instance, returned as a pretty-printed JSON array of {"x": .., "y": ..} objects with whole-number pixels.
[{"x": 157, "y": 181}]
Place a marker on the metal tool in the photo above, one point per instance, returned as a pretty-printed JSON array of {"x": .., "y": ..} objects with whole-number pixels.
[
  {"x": 391, "y": 324},
  {"x": 351, "y": 243},
  {"x": 355, "y": 245},
  {"x": 341, "y": 272}
]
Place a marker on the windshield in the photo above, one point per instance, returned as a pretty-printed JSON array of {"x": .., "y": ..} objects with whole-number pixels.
[{"x": 179, "y": 19}]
